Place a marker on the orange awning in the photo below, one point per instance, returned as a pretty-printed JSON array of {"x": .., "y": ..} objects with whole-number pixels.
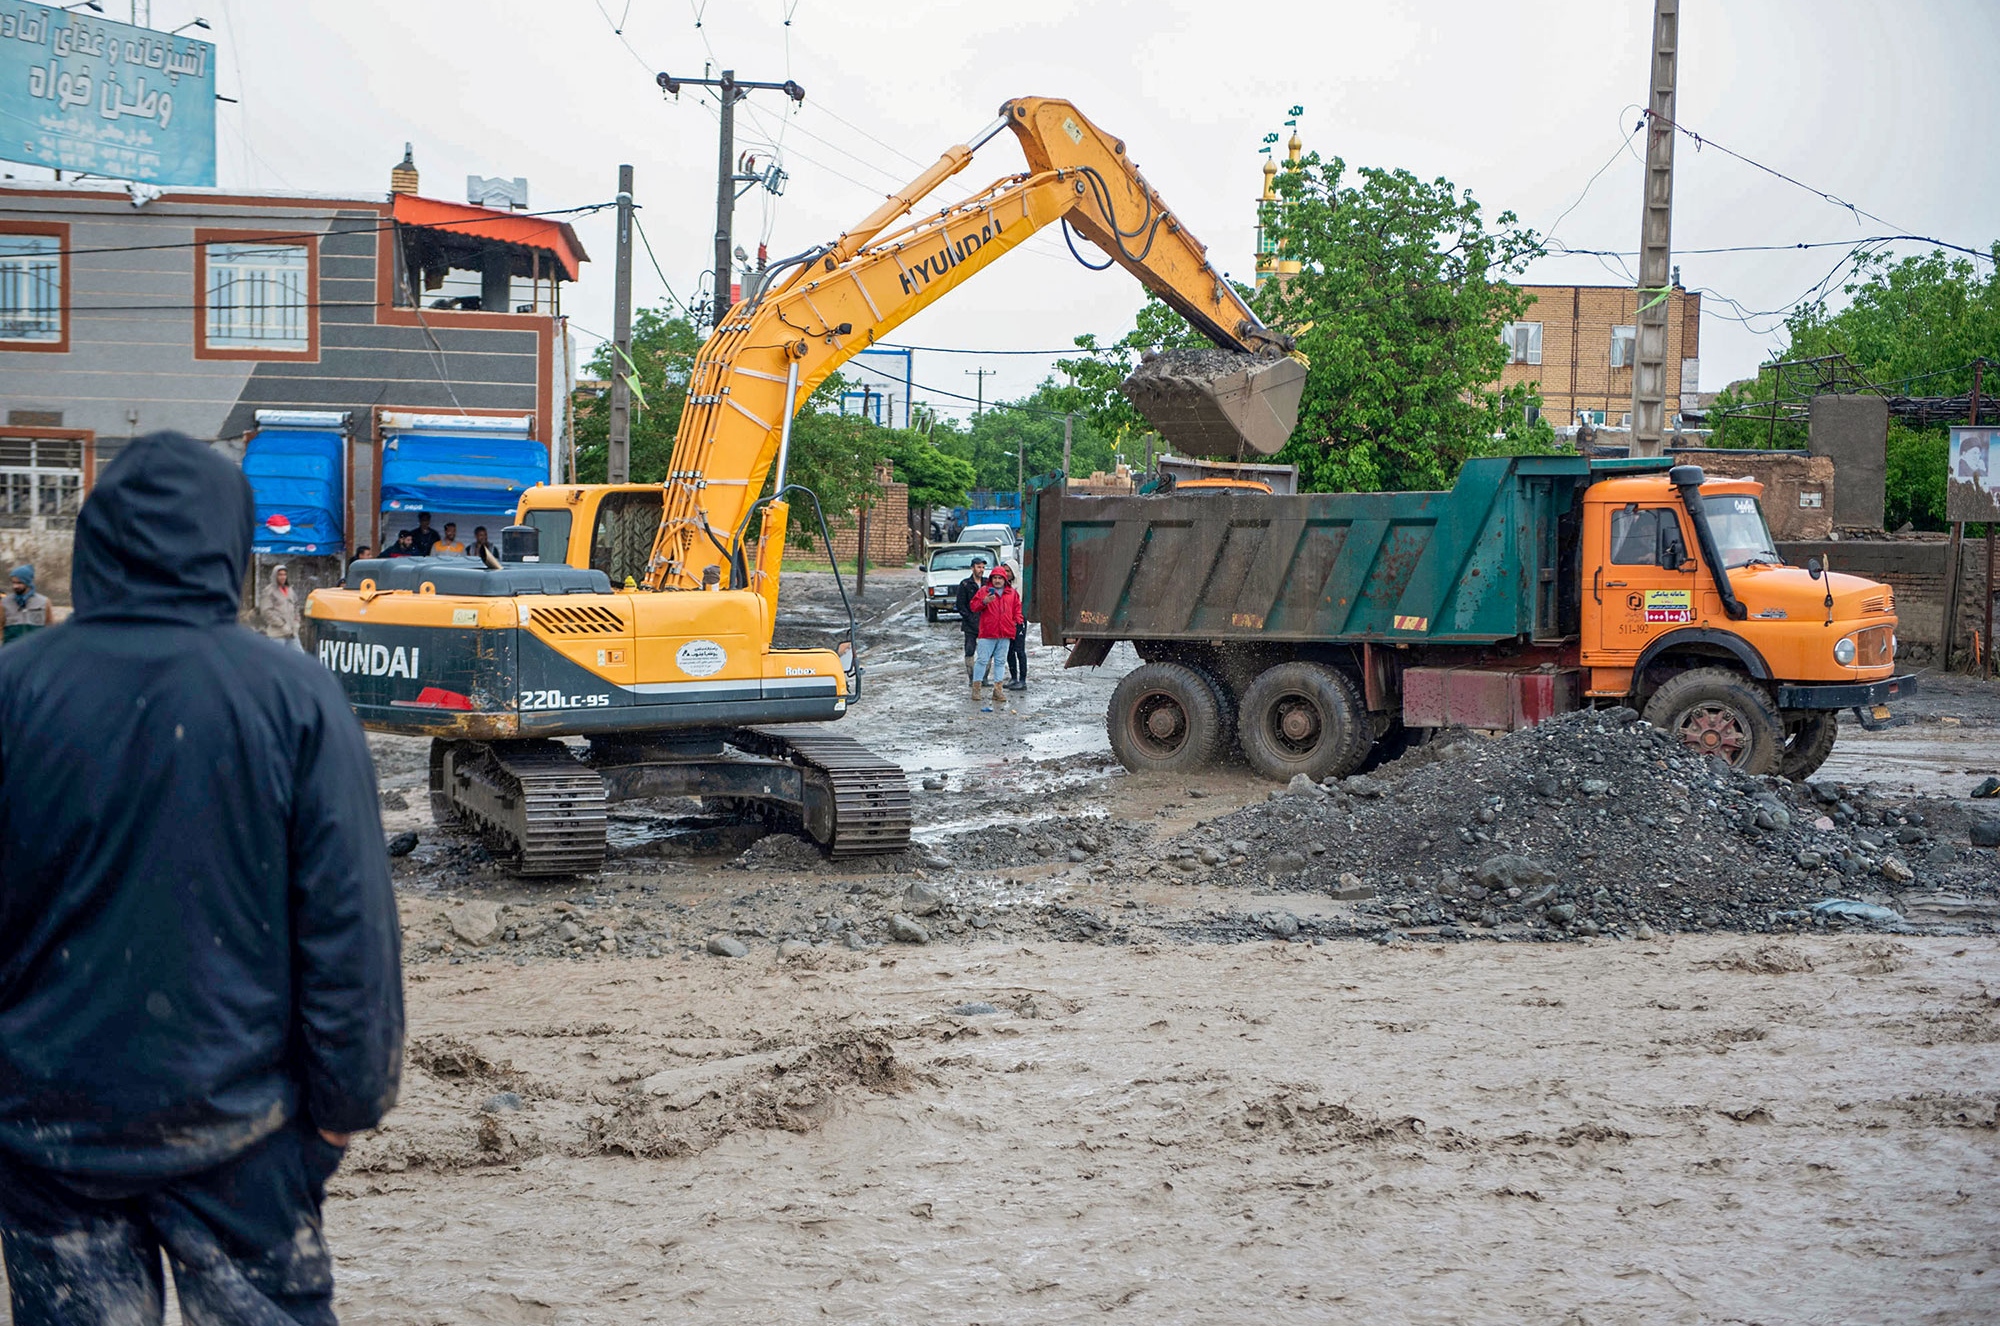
[{"x": 490, "y": 223}]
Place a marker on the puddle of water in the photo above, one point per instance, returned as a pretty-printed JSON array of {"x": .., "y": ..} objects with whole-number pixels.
[{"x": 1914, "y": 760}]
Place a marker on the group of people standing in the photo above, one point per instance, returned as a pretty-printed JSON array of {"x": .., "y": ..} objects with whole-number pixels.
[
  {"x": 995, "y": 627},
  {"x": 423, "y": 541}
]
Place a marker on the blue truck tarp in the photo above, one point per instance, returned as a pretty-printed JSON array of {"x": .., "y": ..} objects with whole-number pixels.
[
  {"x": 298, "y": 476},
  {"x": 463, "y": 471}
]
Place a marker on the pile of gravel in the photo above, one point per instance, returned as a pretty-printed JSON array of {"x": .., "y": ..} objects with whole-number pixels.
[{"x": 1591, "y": 823}]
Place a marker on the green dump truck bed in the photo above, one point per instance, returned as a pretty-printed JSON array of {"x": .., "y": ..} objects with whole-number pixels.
[{"x": 1491, "y": 560}]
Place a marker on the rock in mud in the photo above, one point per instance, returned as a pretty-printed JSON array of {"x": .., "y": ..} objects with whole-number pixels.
[
  {"x": 1895, "y": 871},
  {"x": 727, "y": 946},
  {"x": 1282, "y": 924},
  {"x": 394, "y": 800},
  {"x": 569, "y": 932},
  {"x": 973, "y": 1010},
  {"x": 1361, "y": 785},
  {"x": 1349, "y": 888},
  {"x": 475, "y": 922},
  {"x": 500, "y": 1101},
  {"x": 792, "y": 949},
  {"x": 920, "y": 899},
  {"x": 1984, "y": 832},
  {"x": 906, "y": 931},
  {"x": 856, "y": 942},
  {"x": 1302, "y": 786},
  {"x": 402, "y": 844},
  {"x": 1285, "y": 863},
  {"x": 1510, "y": 871}
]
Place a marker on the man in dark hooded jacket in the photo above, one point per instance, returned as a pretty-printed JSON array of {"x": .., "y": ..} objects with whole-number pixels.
[{"x": 200, "y": 982}]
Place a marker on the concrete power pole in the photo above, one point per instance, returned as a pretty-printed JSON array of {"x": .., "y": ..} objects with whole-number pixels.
[
  {"x": 1649, "y": 366},
  {"x": 618, "y": 460},
  {"x": 729, "y": 90}
]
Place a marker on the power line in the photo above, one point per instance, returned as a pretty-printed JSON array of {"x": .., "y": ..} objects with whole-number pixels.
[
  {"x": 1837, "y": 201},
  {"x": 648, "y": 246}
]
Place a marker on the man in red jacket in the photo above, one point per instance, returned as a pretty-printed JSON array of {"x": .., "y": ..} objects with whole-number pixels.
[{"x": 999, "y": 609}]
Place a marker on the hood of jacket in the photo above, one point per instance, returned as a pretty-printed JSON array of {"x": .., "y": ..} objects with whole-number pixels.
[{"x": 164, "y": 536}]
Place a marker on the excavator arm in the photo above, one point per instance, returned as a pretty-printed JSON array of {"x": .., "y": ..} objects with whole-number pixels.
[{"x": 824, "y": 306}]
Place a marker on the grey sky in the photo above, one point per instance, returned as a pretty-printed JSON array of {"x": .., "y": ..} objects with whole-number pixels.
[{"x": 1883, "y": 105}]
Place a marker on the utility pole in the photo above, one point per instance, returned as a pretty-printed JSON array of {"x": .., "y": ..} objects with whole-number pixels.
[
  {"x": 1973, "y": 422},
  {"x": 1069, "y": 421},
  {"x": 1649, "y": 359},
  {"x": 618, "y": 457},
  {"x": 980, "y": 397},
  {"x": 729, "y": 91}
]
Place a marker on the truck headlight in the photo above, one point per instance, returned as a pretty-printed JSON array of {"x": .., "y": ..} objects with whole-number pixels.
[{"x": 1843, "y": 652}]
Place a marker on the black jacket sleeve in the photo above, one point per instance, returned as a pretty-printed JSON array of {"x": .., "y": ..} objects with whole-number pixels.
[
  {"x": 962, "y": 598},
  {"x": 346, "y": 938}
]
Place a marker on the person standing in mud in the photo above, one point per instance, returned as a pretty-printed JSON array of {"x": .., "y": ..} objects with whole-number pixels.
[
  {"x": 999, "y": 609},
  {"x": 278, "y": 609},
  {"x": 24, "y": 610},
  {"x": 200, "y": 967},
  {"x": 968, "y": 620}
]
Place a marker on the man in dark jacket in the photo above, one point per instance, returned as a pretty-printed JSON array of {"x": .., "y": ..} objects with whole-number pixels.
[
  {"x": 968, "y": 620},
  {"x": 200, "y": 982}
]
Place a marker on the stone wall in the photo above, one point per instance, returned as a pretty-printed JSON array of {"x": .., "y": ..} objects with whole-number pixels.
[{"x": 1798, "y": 490}]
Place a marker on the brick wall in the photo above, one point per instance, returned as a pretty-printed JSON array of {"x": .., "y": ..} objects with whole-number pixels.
[
  {"x": 888, "y": 529},
  {"x": 1914, "y": 566},
  {"x": 1576, "y": 372}
]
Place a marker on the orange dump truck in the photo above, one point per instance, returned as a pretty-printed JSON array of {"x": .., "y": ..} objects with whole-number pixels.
[{"x": 1309, "y": 628}]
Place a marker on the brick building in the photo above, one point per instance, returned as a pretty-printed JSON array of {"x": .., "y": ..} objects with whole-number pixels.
[{"x": 1574, "y": 344}]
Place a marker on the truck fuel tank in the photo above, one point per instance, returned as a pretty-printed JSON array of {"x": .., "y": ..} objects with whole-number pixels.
[{"x": 1218, "y": 402}]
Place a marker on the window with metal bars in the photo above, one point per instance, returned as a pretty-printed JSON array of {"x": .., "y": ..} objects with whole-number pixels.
[
  {"x": 257, "y": 296},
  {"x": 30, "y": 288},
  {"x": 41, "y": 483}
]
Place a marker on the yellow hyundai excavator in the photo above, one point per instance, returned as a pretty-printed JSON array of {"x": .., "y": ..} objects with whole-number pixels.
[{"x": 641, "y": 617}]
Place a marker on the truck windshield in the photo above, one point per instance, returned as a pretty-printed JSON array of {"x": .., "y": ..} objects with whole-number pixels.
[{"x": 1741, "y": 535}]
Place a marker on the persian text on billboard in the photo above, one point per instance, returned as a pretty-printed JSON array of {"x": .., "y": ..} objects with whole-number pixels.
[
  {"x": 109, "y": 99},
  {"x": 1972, "y": 487}
]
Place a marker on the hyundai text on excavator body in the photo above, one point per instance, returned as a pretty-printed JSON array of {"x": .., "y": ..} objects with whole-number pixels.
[{"x": 674, "y": 682}]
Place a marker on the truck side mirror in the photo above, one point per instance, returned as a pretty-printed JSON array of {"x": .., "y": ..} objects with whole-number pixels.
[{"x": 1814, "y": 568}]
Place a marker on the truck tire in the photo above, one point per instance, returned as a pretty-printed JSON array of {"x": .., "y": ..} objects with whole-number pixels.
[
  {"x": 1225, "y": 712},
  {"x": 1713, "y": 711},
  {"x": 1164, "y": 718},
  {"x": 1809, "y": 738},
  {"x": 1302, "y": 718},
  {"x": 930, "y": 613}
]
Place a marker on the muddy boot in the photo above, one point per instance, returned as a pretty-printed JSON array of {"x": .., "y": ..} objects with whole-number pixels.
[{"x": 998, "y": 698}]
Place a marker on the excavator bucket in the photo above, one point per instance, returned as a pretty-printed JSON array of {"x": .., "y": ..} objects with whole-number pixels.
[{"x": 1218, "y": 402}]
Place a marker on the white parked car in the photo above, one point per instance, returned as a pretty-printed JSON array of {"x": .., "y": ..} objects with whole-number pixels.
[
  {"x": 950, "y": 563},
  {"x": 1000, "y": 534}
]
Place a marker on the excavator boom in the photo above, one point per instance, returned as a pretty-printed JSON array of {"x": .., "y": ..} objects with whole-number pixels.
[{"x": 834, "y": 302}]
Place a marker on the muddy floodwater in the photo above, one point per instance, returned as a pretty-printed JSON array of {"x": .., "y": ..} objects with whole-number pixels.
[{"x": 1107, "y": 1084}]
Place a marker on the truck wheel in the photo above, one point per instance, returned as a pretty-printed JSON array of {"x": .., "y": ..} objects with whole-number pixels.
[
  {"x": 1225, "y": 712},
  {"x": 930, "y": 613},
  {"x": 1302, "y": 718},
  {"x": 1809, "y": 737},
  {"x": 1713, "y": 711},
  {"x": 1164, "y": 719}
]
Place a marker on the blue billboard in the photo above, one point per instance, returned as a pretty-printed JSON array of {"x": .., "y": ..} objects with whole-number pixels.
[{"x": 79, "y": 93}]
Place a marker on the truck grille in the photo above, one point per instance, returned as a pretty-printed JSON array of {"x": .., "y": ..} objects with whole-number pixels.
[
  {"x": 1874, "y": 647},
  {"x": 583, "y": 620},
  {"x": 1883, "y": 602}
]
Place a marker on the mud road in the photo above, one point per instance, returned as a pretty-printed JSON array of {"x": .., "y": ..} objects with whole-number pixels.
[{"x": 1080, "y": 1054}]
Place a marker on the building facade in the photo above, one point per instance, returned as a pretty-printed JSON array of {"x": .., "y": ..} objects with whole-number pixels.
[
  {"x": 124, "y": 312},
  {"x": 1574, "y": 345}
]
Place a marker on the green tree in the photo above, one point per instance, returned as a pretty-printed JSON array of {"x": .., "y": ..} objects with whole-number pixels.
[
  {"x": 935, "y": 477},
  {"x": 663, "y": 349},
  {"x": 1911, "y": 327},
  {"x": 835, "y": 455},
  {"x": 1397, "y": 307},
  {"x": 1092, "y": 382}
]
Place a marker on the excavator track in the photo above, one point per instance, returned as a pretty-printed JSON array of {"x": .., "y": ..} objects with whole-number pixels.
[
  {"x": 539, "y": 808},
  {"x": 870, "y": 795}
]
